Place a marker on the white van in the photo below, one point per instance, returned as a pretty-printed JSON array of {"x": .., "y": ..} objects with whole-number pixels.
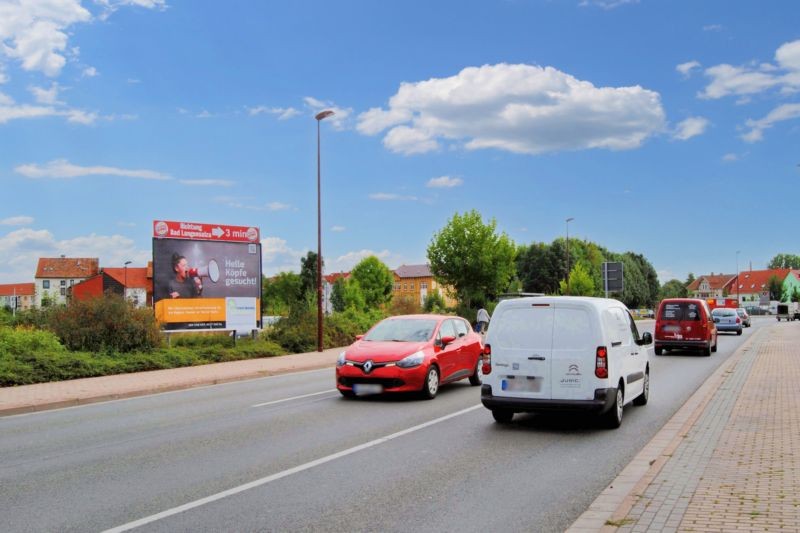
[{"x": 564, "y": 353}]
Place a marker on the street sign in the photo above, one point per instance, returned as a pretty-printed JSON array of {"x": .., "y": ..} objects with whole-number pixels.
[{"x": 613, "y": 277}]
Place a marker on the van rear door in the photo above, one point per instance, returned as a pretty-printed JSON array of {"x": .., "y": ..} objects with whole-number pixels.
[
  {"x": 522, "y": 345},
  {"x": 575, "y": 341}
]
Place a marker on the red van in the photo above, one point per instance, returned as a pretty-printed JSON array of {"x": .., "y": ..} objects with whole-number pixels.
[{"x": 685, "y": 324}]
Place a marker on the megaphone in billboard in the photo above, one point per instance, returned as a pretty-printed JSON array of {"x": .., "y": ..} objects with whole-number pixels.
[{"x": 210, "y": 271}]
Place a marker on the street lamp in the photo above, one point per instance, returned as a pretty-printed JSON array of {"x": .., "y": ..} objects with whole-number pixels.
[
  {"x": 738, "y": 303},
  {"x": 125, "y": 288},
  {"x": 568, "y": 221},
  {"x": 322, "y": 115}
]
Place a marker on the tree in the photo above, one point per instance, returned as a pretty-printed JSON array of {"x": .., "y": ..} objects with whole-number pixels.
[
  {"x": 674, "y": 288},
  {"x": 785, "y": 261},
  {"x": 375, "y": 280},
  {"x": 539, "y": 268},
  {"x": 281, "y": 293},
  {"x": 650, "y": 278},
  {"x": 308, "y": 276},
  {"x": 347, "y": 294},
  {"x": 795, "y": 295},
  {"x": 635, "y": 293},
  {"x": 775, "y": 288},
  {"x": 689, "y": 279},
  {"x": 472, "y": 258},
  {"x": 580, "y": 282}
]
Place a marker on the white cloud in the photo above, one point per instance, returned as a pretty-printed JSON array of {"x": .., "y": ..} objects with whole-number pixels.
[
  {"x": 46, "y": 96},
  {"x": 338, "y": 229},
  {"x": 278, "y": 206},
  {"x": 691, "y": 127},
  {"x": 779, "y": 114},
  {"x": 21, "y": 249},
  {"x": 744, "y": 81},
  {"x": 346, "y": 262},
  {"x": 207, "y": 183},
  {"x": 63, "y": 169},
  {"x": 444, "y": 182},
  {"x": 340, "y": 114},
  {"x": 21, "y": 220},
  {"x": 277, "y": 256},
  {"x": 712, "y": 27},
  {"x": 731, "y": 157},
  {"x": 383, "y": 196},
  {"x": 89, "y": 72},
  {"x": 6, "y": 100},
  {"x": 687, "y": 68},
  {"x": 518, "y": 108},
  {"x": 35, "y": 33},
  {"x": 134, "y": 81},
  {"x": 25, "y": 111},
  {"x": 606, "y": 4},
  {"x": 283, "y": 113}
]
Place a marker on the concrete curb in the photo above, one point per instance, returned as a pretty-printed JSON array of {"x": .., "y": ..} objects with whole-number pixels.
[{"x": 616, "y": 501}]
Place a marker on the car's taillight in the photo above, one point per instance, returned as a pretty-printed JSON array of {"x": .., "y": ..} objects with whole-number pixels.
[
  {"x": 601, "y": 363},
  {"x": 486, "y": 367},
  {"x": 738, "y": 320}
]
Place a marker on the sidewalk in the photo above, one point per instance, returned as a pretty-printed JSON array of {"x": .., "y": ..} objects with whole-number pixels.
[
  {"x": 729, "y": 460},
  {"x": 42, "y": 396}
]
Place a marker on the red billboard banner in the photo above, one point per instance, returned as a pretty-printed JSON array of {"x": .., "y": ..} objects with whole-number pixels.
[{"x": 166, "y": 229}]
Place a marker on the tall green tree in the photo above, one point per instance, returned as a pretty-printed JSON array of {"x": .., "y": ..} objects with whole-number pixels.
[
  {"x": 785, "y": 261},
  {"x": 775, "y": 288},
  {"x": 375, "y": 280},
  {"x": 308, "y": 276},
  {"x": 674, "y": 288},
  {"x": 472, "y": 258},
  {"x": 580, "y": 282},
  {"x": 281, "y": 293},
  {"x": 539, "y": 268},
  {"x": 650, "y": 278},
  {"x": 689, "y": 279},
  {"x": 347, "y": 294}
]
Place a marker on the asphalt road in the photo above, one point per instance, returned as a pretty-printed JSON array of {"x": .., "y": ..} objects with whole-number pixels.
[{"x": 287, "y": 453}]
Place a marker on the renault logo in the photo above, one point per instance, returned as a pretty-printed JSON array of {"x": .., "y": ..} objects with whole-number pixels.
[{"x": 368, "y": 366}]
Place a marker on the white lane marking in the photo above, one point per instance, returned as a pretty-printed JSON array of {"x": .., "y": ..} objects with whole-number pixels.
[
  {"x": 285, "y": 473},
  {"x": 293, "y": 398}
]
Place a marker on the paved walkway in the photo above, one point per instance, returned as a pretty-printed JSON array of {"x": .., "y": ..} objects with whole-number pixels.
[
  {"x": 729, "y": 460},
  {"x": 27, "y": 398}
]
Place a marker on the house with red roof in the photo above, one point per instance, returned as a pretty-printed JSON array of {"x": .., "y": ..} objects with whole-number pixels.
[
  {"x": 752, "y": 286},
  {"x": 55, "y": 275},
  {"x": 19, "y": 296},
  {"x": 711, "y": 286},
  {"x": 416, "y": 282},
  {"x": 137, "y": 281}
]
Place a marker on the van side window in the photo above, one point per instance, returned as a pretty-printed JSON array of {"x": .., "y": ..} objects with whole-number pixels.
[{"x": 634, "y": 329}]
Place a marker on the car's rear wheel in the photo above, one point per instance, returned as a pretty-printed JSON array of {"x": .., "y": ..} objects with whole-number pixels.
[
  {"x": 613, "y": 418},
  {"x": 503, "y": 416},
  {"x": 714, "y": 348},
  {"x": 706, "y": 351},
  {"x": 739, "y": 332},
  {"x": 431, "y": 385},
  {"x": 475, "y": 378},
  {"x": 645, "y": 395}
]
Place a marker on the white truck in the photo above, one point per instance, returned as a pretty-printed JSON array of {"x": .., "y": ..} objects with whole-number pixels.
[{"x": 787, "y": 311}]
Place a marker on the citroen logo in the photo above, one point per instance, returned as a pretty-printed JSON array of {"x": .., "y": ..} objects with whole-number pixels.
[
  {"x": 368, "y": 366},
  {"x": 573, "y": 368}
]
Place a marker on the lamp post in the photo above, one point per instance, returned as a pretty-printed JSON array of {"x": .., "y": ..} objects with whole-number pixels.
[
  {"x": 125, "y": 288},
  {"x": 738, "y": 303},
  {"x": 322, "y": 115},
  {"x": 568, "y": 221}
]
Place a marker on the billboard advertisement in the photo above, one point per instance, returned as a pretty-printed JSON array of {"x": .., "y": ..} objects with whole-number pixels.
[{"x": 206, "y": 276}]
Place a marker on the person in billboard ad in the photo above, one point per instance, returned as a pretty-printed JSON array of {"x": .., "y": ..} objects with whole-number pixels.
[{"x": 183, "y": 284}]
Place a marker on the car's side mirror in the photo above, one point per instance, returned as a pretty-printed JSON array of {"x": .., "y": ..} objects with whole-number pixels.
[
  {"x": 447, "y": 339},
  {"x": 647, "y": 338},
  {"x": 359, "y": 337}
]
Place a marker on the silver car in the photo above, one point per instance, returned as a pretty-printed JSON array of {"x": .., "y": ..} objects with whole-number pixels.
[
  {"x": 744, "y": 316},
  {"x": 727, "y": 319}
]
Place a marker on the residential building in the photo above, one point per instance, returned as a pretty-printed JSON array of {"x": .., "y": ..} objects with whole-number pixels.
[
  {"x": 711, "y": 286},
  {"x": 95, "y": 287},
  {"x": 752, "y": 286},
  {"x": 327, "y": 289},
  {"x": 19, "y": 296},
  {"x": 55, "y": 275},
  {"x": 416, "y": 282},
  {"x": 137, "y": 281}
]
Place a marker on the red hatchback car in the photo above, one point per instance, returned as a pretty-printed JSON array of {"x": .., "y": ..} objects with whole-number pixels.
[
  {"x": 410, "y": 353},
  {"x": 685, "y": 323}
]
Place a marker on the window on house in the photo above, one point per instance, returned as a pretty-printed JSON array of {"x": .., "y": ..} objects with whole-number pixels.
[
  {"x": 405, "y": 286},
  {"x": 71, "y": 282},
  {"x": 63, "y": 291},
  {"x": 423, "y": 285},
  {"x": 412, "y": 285},
  {"x": 63, "y": 283},
  {"x": 46, "y": 284}
]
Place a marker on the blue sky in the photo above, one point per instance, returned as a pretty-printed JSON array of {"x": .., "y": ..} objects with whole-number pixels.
[{"x": 650, "y": 122}]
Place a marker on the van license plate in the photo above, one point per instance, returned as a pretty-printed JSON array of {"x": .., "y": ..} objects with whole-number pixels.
[{"x": 522, "y": 384}]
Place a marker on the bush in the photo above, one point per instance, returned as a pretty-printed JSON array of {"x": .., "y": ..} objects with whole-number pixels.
[
  {"x": 404, "y": 305},
  {"x": 105, "y": 324}
]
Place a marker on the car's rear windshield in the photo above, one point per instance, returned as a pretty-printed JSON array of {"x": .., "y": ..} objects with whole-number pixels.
[
  {"x": 723, "y": 312},
  {"x": 402, "y": 330},
  {"x": 680, "y": 311}
]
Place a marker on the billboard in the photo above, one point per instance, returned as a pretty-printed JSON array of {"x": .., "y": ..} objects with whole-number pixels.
[{"x": 206, "y": 276}]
